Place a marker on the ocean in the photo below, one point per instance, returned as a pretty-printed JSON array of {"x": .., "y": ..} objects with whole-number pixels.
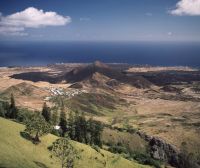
[{"x": 151, "y": 53}]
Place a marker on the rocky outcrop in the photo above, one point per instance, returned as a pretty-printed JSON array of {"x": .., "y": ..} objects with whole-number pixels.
[{"x": 161, "y": 150}]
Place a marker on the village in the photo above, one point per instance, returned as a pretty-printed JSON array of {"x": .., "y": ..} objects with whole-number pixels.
[{"x": 62, "y": 92}]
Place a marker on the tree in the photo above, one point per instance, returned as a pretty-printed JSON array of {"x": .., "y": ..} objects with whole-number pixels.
[
  {"x": 71, "y": 126},
  {"x": 90, "y": 131},
  {"x": 95, "y": 129},
  {"x": 2, "y": 111},
  {"x": 85, "y": 131},
  {"x": 63, "y": 121},
  {"x": 97, "y": 133},
  {"x": 12, "y": 111},
  {"x": 46, "y": 113},
  {"x": 4, "y": 107},
  {"x": 37, "y": 127},
  {"x": 55, "y": 117},
  {"x": 78, "y": 128},
  {"x": 65, "y": 152},
  {"x": 84, "y": 127}
]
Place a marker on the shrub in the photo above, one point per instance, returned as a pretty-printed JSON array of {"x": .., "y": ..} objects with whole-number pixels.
[
  {"x": 24, "y": 115},
  {"x": 96, "y": 148},
  {"x": 142, "y": 158},
  {"x": 146, "y": 159},
  {"x": 56, "y": 132},
  {"x": 4, "y": 107},
  {"x": 118, "y": 149}
]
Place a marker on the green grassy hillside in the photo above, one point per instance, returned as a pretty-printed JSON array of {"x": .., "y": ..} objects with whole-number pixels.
[{"x": 17, "y": 152}]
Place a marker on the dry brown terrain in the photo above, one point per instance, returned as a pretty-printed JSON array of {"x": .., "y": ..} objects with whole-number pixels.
[
  {"x": 159, "y": 68},
  {"x": 173, "y": 116},
  {"x": 34, "y": 101}
]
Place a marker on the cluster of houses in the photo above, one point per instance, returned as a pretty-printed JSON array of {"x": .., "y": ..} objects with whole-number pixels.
[
  {"x": 57, "y": 91},
  {"x": 62, "y": 92},
  {"x": 74, "y": 92}
]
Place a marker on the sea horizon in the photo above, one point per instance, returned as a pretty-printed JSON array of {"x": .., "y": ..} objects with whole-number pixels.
[{"x": 39, "y": 53}]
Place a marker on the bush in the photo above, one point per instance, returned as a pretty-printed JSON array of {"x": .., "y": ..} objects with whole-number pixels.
[
  {"x": 56, "y": 132},
  {"x": 108, "y": 143},
  {"x": 142, "y": 158},
  {"x": 118, "y": 149},
  {"x": 4, "y": 106},
  {"x": 132, "y": 130},
  {"x": 96, "y": 148},
  {"x": 24, "y": 115},
  {"x": 187, "y": 159},
  {"x": 2, "y": 111},
  {"x": 146, "y": 159}
]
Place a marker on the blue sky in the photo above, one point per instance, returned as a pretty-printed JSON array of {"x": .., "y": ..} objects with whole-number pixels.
[{"x": 100, "y": 20}]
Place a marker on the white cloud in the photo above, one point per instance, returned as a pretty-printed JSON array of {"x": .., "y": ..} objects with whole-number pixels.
[
  {"x": 15, "y": 24},
  {"x": 187, "y": 7}
]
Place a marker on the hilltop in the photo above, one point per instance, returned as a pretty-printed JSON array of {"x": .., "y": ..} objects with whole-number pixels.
[
  {"x": 85, "y": 72},
  {"x": 23, "y": 89},
  {"x": 101, "y": 71},
  {"x": 26, "y": 94}
]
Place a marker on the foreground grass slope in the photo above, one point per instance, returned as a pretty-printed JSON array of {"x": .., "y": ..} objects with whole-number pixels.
[{"x": 17, "y": 152}]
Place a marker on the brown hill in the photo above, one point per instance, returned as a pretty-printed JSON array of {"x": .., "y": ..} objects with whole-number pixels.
[
  {"x": 99, "y": 73},
  {"x": 26, "y": 95},
  {"x": 92, "y": 74},
  {"x": 85, "y": 72},
  {"x": 23, "y": 89},
  {"x": 95, "y": 80}
]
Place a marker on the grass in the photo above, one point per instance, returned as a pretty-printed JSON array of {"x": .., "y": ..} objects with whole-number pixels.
[
  {"x": 95, "y": 103},
  {"x": 132, "y": 141},
  {"x": 17, "y": 152}
]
